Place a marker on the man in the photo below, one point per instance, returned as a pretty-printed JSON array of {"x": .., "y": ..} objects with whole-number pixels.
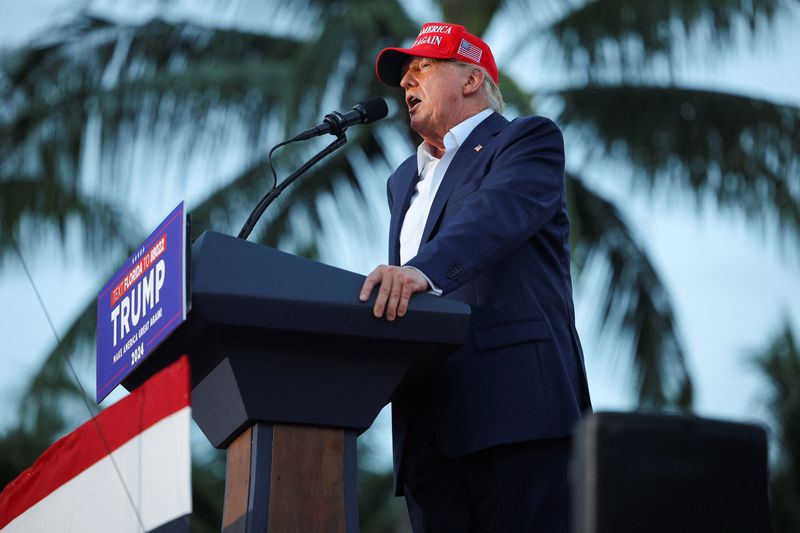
[{"x": 479, "y": 215}]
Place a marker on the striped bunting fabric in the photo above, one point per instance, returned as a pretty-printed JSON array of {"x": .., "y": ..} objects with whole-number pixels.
[{"x": 74, "y": 485}]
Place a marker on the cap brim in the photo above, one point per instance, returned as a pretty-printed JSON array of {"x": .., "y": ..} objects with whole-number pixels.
[{"x": 390, "y": 62}]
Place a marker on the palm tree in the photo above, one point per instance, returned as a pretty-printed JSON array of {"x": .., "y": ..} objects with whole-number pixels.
[
  {"x": 104, "y": 93},
  {"x": 779, "y": 361}
]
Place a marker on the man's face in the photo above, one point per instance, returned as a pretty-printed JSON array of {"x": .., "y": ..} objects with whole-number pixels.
[{"x": 434, "y": 96}]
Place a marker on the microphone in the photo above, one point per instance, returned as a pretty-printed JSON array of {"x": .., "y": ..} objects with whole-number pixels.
[{"x": 336, "y": 123}]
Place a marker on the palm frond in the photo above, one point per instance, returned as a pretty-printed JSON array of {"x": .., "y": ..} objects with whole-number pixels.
[
  {"x": 779, "y": 362},
  {"x": 515, "y": 96},
  {"x": 474, "y": 15},
  {"x": 635, "y": 301},
  {"x": 137, "y": 77},
  {"x": 32, "y": 209},
  {"x": 338, "y": 66},
  {"x": 132, "y": 82},
  {"x": 52, "y": 387},
  {"x": 622, "y": 37},
  {"x": 739, "y": 151},
  {"x": 22, "y": 445}
]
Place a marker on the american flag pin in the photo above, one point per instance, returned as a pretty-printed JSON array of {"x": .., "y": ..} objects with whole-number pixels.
[{"x": 478, "y": 148}]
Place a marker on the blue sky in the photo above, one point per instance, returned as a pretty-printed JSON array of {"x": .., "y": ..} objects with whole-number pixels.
[{"x": 732, "y": 285}]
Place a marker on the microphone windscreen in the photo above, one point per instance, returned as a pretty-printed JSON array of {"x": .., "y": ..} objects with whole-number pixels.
[{"x": 373, "y": 109}]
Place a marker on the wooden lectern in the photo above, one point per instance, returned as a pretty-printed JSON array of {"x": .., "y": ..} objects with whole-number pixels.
[{"x": 288, "y": 368}]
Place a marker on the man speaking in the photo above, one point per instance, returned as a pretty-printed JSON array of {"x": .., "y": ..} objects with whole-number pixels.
[{"x": 479, "y": 215}]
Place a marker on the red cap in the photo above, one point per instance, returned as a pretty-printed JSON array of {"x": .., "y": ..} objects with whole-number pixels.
[{"x": 438, "y": 40}]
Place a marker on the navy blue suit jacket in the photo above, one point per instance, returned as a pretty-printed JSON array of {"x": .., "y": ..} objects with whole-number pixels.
[{"x": 497, "y": 239}]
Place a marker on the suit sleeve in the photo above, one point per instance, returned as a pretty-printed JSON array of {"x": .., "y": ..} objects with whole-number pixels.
[{"x": 522, "y": 190}]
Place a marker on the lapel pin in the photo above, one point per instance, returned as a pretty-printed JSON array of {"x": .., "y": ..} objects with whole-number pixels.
[{"x": 478, "y": 148}]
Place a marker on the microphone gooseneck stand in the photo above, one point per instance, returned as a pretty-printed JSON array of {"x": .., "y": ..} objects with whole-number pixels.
[{"x": 255, "y": 215}]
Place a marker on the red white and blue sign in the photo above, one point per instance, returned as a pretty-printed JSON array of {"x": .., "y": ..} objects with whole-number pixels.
[{"x": 142, "y": 303}]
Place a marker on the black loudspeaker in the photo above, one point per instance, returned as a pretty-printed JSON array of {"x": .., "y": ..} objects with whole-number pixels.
[{"x": 653, "y": 473}]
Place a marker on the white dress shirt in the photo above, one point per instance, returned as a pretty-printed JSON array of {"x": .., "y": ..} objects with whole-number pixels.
[{"x": 431, "y": 171}]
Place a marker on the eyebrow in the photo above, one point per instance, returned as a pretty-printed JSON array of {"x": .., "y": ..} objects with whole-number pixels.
[{"x": 407, "y": 64}]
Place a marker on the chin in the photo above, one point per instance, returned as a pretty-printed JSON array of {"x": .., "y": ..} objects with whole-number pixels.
[{"x": 415, "y": 126}]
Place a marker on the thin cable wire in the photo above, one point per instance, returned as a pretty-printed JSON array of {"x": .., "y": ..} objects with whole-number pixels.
[{"x": 16, "y": 247}]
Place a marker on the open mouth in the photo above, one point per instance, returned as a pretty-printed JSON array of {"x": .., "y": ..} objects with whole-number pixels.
[{"x": 412, "y": 102}]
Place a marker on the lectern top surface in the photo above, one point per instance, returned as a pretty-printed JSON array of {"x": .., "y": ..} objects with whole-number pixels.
[{"x": 239, "y": 283}]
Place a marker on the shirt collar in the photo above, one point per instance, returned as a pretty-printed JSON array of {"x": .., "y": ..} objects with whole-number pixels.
[{"x": 453, "y": 138}]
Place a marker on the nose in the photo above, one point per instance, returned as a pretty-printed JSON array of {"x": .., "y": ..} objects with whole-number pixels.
[{"x": 408, "y": 79}]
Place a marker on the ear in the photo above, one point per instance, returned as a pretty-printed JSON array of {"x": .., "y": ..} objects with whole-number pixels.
[{"x": 474, "y": 82}]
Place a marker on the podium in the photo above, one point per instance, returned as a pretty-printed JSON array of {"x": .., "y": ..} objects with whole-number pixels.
[{"x": 288, "y": 368}]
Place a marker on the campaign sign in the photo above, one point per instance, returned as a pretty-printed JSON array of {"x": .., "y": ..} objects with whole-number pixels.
[{"x": 142, "y": 303}]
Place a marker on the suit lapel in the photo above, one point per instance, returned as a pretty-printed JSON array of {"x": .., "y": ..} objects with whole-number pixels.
[
  {"x": 466, "y": 155},
  {"x": 406, "y": 180}
]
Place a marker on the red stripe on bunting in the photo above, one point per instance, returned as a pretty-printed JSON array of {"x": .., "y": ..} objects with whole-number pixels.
[{"x": 162, "y": 395}]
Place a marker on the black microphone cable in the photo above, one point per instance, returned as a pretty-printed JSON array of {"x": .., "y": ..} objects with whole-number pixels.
[{"x": 335, "y": 124}]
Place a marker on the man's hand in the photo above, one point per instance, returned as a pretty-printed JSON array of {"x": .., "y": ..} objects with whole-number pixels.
[{"x": 397, "y": 284}]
